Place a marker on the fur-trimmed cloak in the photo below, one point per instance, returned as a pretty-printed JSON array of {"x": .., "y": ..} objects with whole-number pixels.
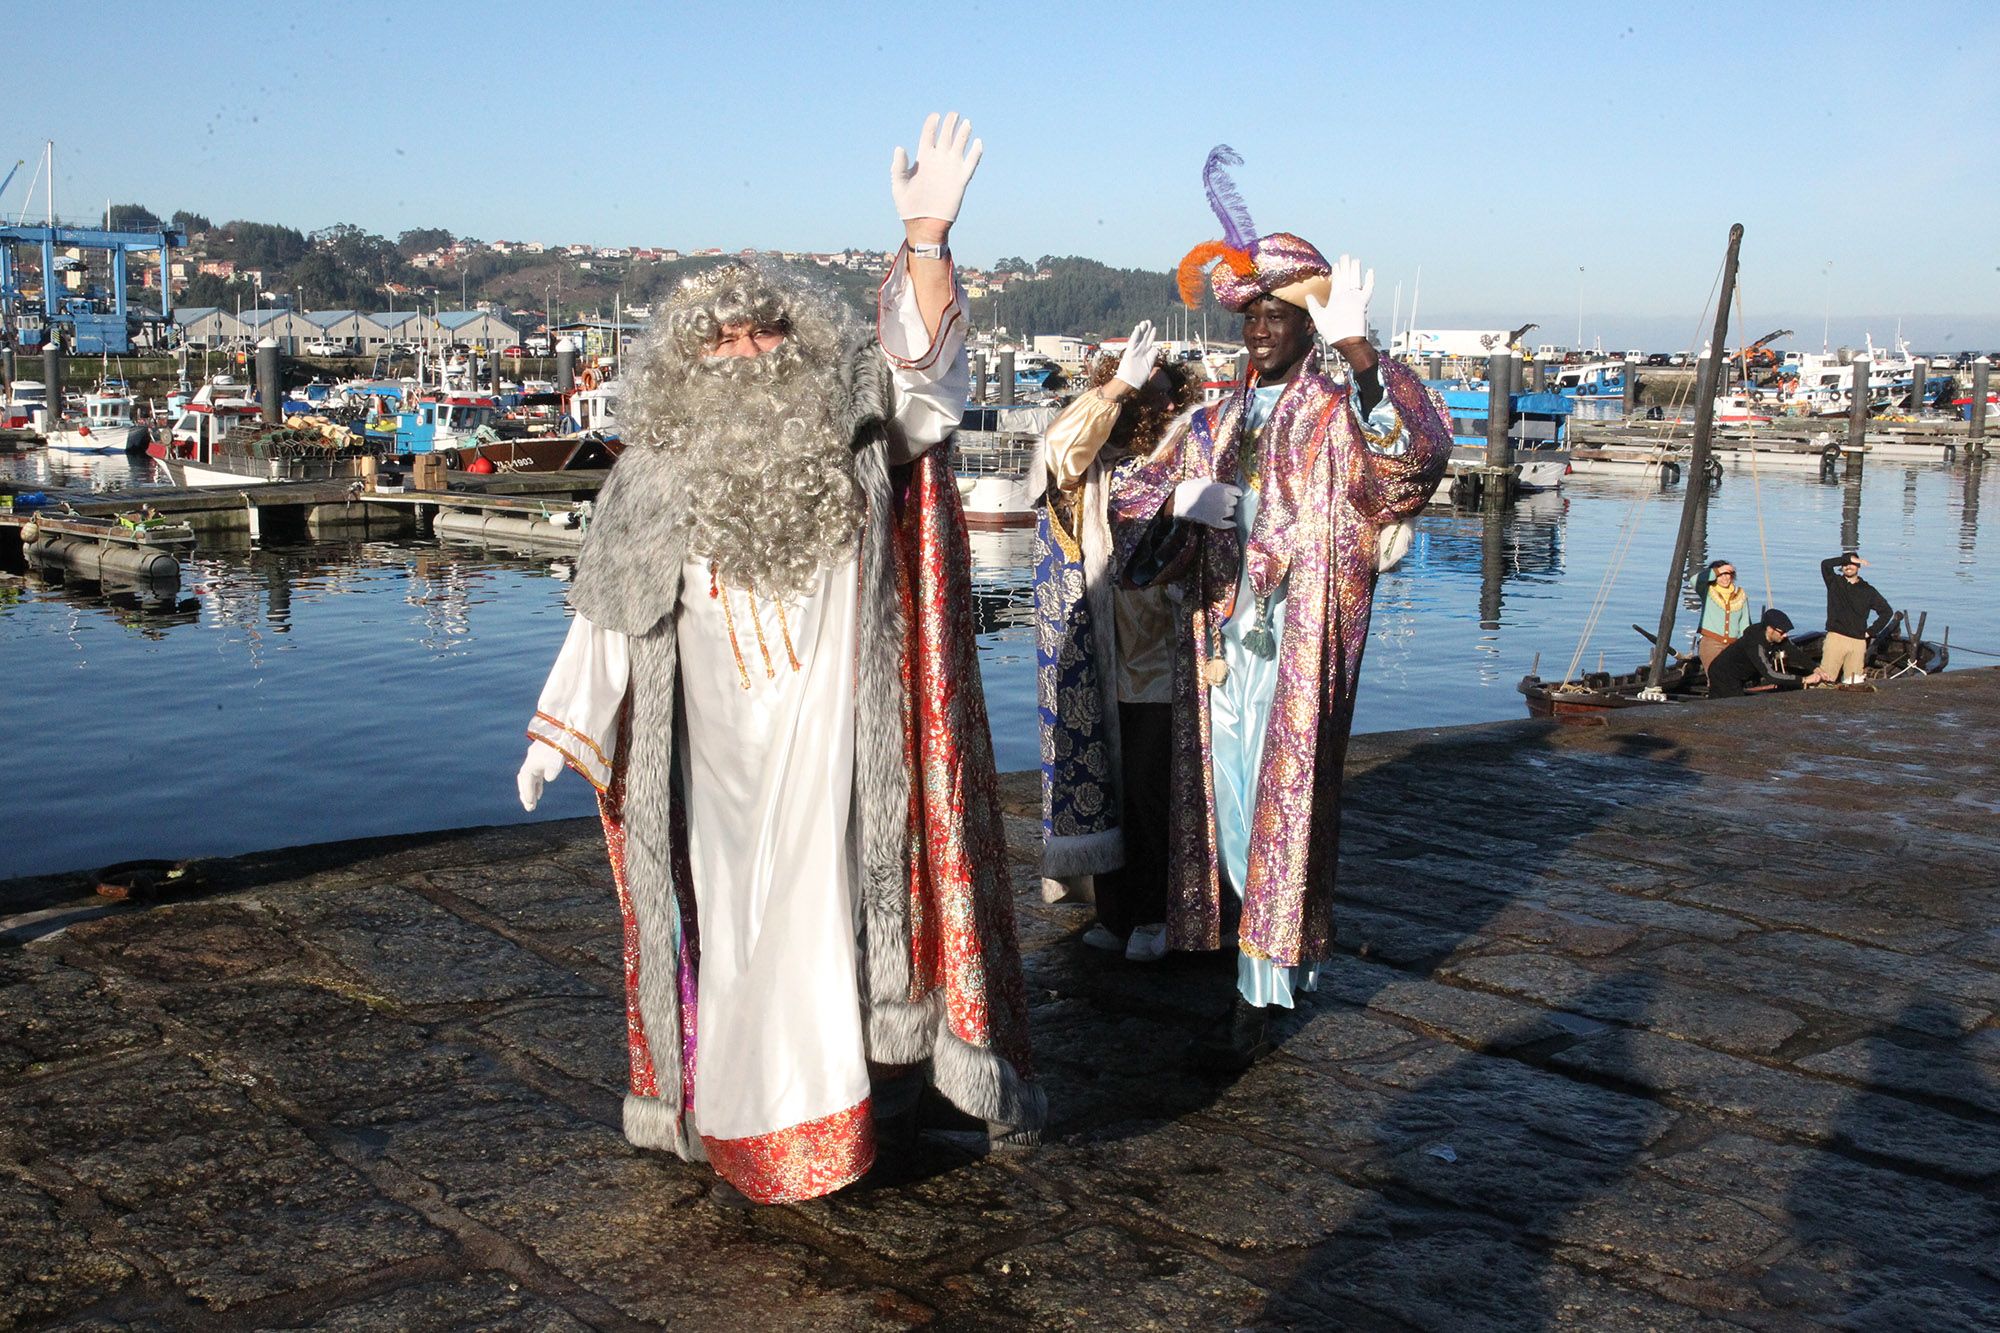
[{"x": 940, "y": 962}]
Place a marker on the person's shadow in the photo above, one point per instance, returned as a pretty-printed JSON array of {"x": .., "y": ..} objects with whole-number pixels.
[
  {"x": 1913, "y": 1248},
  {"x": 1441, "y": 834}
]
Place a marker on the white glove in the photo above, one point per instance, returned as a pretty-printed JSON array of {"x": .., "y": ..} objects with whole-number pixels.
[
  {"x": 1199, "y": 500},
  {"x": 540, "y": 768},
  {"x": 1345, "y": 312},
  {"x": 1391, "y": 545},
  {"x": 935, "y": 186},
  {"x": 1135, "y": 365}
]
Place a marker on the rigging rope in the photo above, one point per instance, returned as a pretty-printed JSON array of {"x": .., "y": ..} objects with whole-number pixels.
[
  {"x": 1756, "y": 482},
  {"x": 1629, "y": 527}
]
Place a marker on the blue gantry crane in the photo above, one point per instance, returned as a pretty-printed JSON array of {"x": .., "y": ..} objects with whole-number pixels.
[{"x": 97, "y": 318}]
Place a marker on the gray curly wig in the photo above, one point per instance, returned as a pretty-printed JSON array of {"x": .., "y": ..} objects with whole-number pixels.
[{"x": 766, "y": 471}]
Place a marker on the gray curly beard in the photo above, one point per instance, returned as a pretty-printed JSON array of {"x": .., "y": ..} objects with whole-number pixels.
[{"x": 765, "y": 467}]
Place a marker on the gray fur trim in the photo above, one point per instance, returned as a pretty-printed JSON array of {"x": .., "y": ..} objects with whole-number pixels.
[
  {"x": 1083, "y": 854},
  {"x": 901, "y": 1032},
  {"x": 652, "y": 1122},
  {"x": 978, "y": 1082},
  {"x": 649, "y": 768},
  {"x": 867, "y": 379},
  {"x": 628, "y": 573},
  {"x": 881, "y": 781}
]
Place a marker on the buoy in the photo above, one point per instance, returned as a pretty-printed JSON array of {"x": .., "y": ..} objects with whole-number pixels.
[
  {"x": 482, "y": 465},
  {"x": 30, "y": 531}
]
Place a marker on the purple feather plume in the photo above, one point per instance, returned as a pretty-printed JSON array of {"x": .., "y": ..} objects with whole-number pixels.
[{"x": 1237, "y": 229}]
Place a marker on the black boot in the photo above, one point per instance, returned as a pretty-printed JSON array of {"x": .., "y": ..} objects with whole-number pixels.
[{"x": 1237, "y": 1045}]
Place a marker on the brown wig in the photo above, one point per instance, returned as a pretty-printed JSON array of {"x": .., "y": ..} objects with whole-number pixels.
[{"x": 1142, "y": 419}]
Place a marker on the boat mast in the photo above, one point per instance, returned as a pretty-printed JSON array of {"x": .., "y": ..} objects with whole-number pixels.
[{"x": 1697, "y": 474}]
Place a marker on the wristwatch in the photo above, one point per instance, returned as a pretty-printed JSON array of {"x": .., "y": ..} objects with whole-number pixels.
[{"x": 928, "y": 251}]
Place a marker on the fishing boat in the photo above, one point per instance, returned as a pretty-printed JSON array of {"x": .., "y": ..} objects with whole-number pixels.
[
  {"x": 996, "y": 453},
  {"x": 26, "y": 399},
  {"x": 1539, "y": 429},
  {"x": 106, "y": 426}
]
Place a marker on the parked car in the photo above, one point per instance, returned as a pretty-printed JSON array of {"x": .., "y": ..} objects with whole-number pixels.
[
  {"x": 326, "y": 347},
  {"x": 1657, "y": 359}
]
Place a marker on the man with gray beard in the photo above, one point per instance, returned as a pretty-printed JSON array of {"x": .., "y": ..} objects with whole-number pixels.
[{"x": 772, "y": 681}]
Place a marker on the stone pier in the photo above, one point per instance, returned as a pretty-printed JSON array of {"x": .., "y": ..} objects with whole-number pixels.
[{"x": 1684, "y": 1020}]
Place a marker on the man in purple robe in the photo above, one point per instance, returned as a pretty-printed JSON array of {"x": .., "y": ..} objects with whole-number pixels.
[{"x": 1270, "y": 513}]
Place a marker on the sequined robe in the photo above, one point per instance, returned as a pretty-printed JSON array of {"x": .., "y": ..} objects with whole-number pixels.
[{"x": 1325, "y": 495}]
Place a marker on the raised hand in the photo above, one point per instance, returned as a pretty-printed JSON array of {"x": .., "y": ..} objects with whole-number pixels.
[
  {"x": 1135, "y": 364},
  {"x": 1344, "y": 313},
  {"x": 934, "y": 186}
]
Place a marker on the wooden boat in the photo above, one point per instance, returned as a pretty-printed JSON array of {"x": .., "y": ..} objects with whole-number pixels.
[
  {"x": 1897, "y": 652},
  {"x": 544, "y": 453}
]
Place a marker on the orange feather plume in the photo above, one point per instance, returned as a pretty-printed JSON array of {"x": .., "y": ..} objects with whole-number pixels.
[{"x": 1189, "y": 275}]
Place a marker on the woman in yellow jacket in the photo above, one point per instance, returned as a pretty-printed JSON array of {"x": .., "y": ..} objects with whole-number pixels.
[{"x": 1725, "y": 609}]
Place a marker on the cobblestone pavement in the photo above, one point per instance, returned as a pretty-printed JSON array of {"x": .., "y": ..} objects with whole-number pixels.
[{"x": 1681, "y": 1020}]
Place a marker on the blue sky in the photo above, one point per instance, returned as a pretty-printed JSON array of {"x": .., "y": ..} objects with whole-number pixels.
[{"x": 1571, "y": 151}]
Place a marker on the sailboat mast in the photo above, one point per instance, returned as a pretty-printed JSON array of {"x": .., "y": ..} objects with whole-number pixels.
[{"x": 1697, "y": 474}]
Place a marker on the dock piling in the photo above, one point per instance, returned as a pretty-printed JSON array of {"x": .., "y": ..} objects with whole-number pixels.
[
  {"x": 1857, "y": 407},
  {"x": 1982, "y": 374},
  {"x": 979, "y": 377},
  {"x": 1919, "y": 382},
  {"x": 1538, "y": 375},
  {"x": 269, "y": 393},
  {"x": 7, "y": 367},
  {"x": 1631, "y": 386},
  {"x": 1499, "y": 405},
  {"x": 1006, "y": 379},
  {"x": 1434, "y": 369},
  {"x": 52, "y": 379},
  {"x": 565, "y": 367}
]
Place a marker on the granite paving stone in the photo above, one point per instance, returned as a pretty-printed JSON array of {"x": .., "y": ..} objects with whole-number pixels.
[
  {"x": 1727, "y": 1019},
  {"x": 410, "y": 951},
  {"x": 49, "y": 1263},
  {"x": 486, "y": 1302},
  {"x": 1579, "y": 1062},
  {"x": 50, "y": 1013}
]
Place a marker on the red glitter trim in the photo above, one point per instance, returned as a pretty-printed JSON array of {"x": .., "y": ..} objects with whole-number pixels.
[{"x": 802, "y": 1162}]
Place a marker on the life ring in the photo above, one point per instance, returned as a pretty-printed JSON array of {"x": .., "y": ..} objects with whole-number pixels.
[{"x": 590, "y": 378}]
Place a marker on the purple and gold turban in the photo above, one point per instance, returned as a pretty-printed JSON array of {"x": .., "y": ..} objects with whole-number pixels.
[{"x": 1280, "y": 264}]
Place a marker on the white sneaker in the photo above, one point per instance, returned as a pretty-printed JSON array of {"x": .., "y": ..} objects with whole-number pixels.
[
  {"x": 1099, "y": 936},
  {"x": 1148, "y": 943}
]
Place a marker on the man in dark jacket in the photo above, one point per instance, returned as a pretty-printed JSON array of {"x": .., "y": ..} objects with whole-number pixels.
[
  {"x": 1849, "y": 601},
  {"x": 1746, "y": 665}
]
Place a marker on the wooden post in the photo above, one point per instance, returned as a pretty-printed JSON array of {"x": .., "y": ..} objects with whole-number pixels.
[
  {"x": 1857, "y": 407},
  {"x": 1696, "y": 489},
  {"x": 979, "y": 378},
  {"x": 1499, "y": 408},
  {"x": 1920, "y": 375},
  {"x": 1631, "y": 386}
]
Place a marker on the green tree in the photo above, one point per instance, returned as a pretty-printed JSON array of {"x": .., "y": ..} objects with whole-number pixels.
[
  {"x": 190, "y": 223},
  {"x": 134, "y": 217},
  {"x": 421, "y": 240}
]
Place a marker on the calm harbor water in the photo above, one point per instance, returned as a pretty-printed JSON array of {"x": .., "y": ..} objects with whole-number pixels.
[{"x": 336, "y": 690}]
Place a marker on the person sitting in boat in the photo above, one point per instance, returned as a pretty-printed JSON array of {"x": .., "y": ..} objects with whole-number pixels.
[
  {"x": 1849, "y": 599},
  {"x": 1725, "y": 610},
  {"x": 1748, "y": 665},
  {"x": 1106, "y": 657}
]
